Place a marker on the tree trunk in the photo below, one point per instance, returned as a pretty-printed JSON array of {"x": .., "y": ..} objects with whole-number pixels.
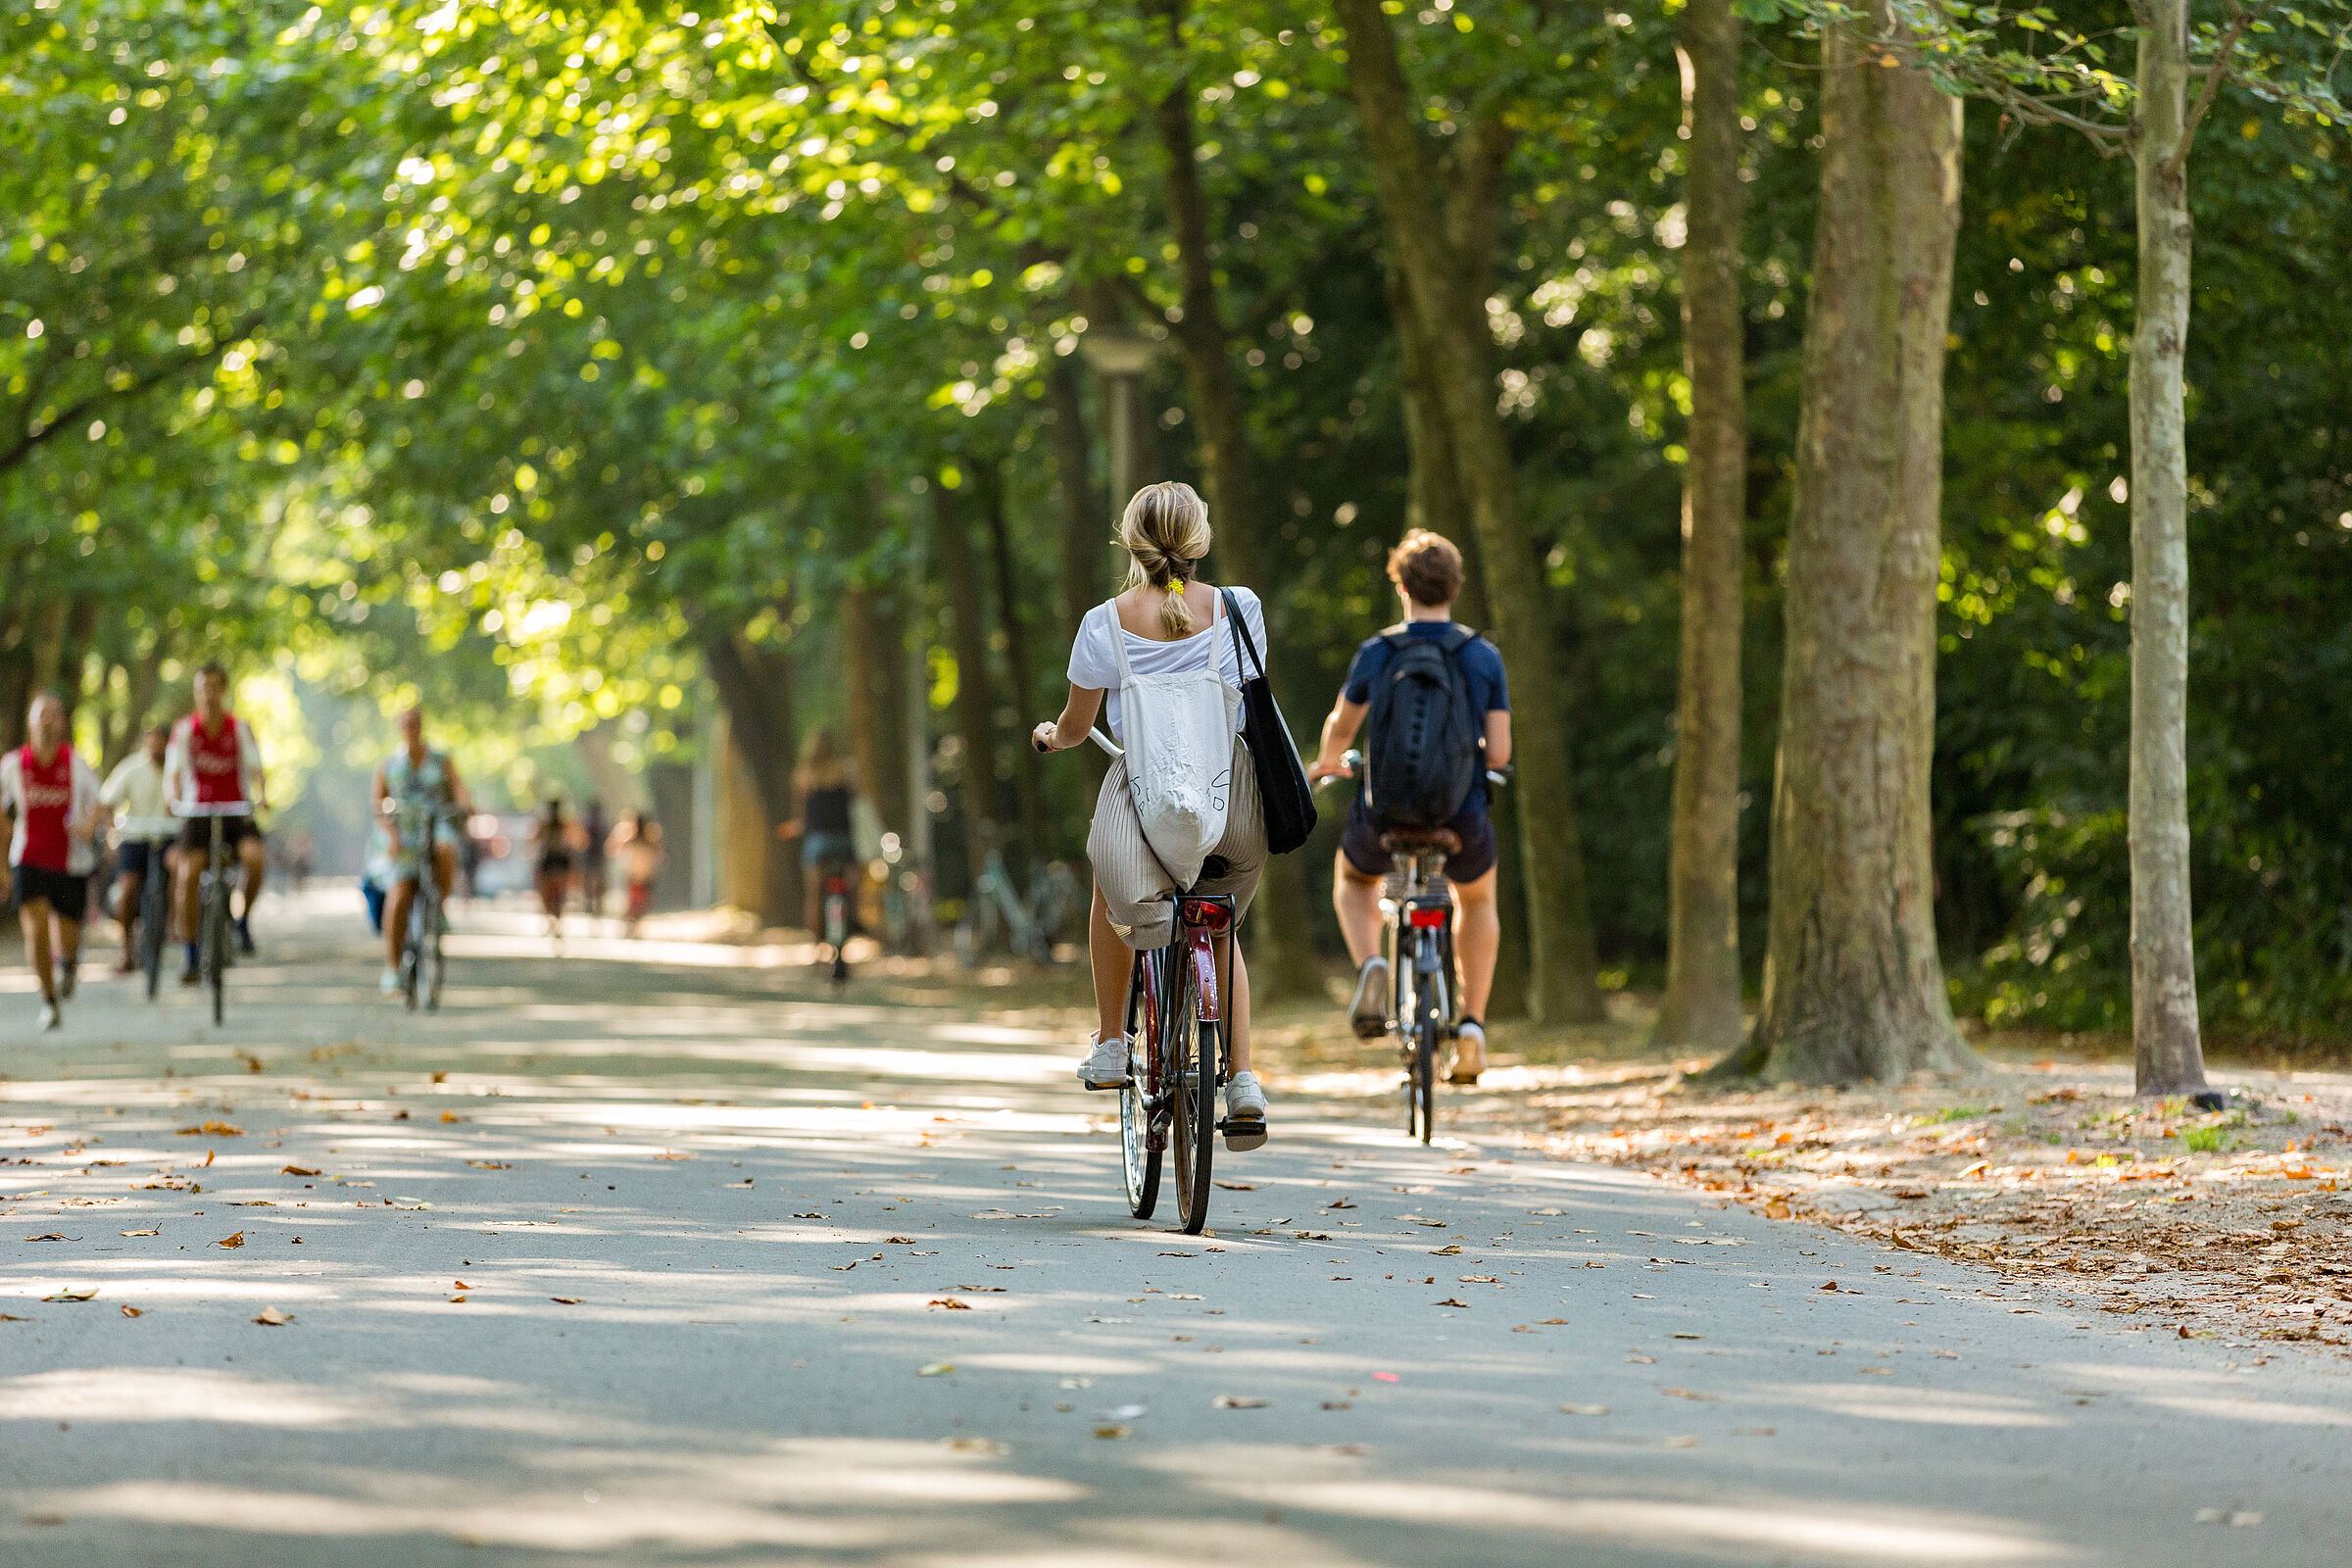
[
  {"x": 1282, "y": 949},
  {"x": 2168, "y": 1057},
  {"x": 80, "y": 630},
  {"x": 873, "y": 668},
  {"x": 1700, "y": 1010},
  {"x": 755, "y": 684},
  {"x": 975, "y": 703},
  {"x": 145, "y": 681},
  {"x": 1565, "y": 985},
  {"x": 15, "y": 670},
  {"x": 1854, "y": 987},
  {"x": 1084, "y": 531},
  {"x": 1028, "y": 784}
]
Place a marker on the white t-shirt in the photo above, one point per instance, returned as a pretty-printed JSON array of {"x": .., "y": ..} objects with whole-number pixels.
[
  {"x": 1095, "y": 658},
  {"x": 136, "y": 788},
  {"x": 81, "y": 855}
]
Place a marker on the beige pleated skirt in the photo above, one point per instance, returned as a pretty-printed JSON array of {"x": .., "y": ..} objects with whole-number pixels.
[{"x": 1134, "y": 884}]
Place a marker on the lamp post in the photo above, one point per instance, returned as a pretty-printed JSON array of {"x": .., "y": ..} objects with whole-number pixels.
[{"x": 1120, "y": 355}]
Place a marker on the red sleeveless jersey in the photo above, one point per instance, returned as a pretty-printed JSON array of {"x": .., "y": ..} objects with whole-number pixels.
[
  {"x": 48, "y": 800},
  {"x": 216, "y": 758}
]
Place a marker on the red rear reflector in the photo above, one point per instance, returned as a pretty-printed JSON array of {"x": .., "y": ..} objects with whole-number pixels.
[
  {"x": 1429, "y": 917},
  {"x": 1202, "y": 912}
]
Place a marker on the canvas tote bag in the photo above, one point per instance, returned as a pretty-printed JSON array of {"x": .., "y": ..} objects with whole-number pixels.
[{"x": 1179, "y": 730}]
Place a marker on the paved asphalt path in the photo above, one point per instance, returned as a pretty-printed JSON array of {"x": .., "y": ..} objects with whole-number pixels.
[{"x": 720, "y": 1236}]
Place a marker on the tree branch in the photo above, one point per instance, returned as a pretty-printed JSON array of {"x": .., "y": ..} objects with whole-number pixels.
[
  {"x": 2219, "y": 72},
  {"x": 34, "y": 438}
]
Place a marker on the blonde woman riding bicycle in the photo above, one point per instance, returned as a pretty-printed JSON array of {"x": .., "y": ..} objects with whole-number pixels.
[{"x": 1164, "y": 623}]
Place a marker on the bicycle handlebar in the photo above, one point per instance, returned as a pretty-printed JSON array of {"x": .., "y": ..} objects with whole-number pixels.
[
  {"x": 1109, "y": 746},
  {"x": 1353, "y": 767},
  {"x": 198, "y": 809}
]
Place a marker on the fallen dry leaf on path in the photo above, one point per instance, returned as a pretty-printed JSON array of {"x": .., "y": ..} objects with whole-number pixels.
[
  {"x": 296, "y": 1170},
  {"x": 142, "y": 1233},
  {"x": 1238, "y": 1402},
  {"x": 48, "y": 1236},
  {"x": 568, "y": 1301},
  {"x": 447, "y": 1115},
  {"x": 991, "y": 1290},
  {"x": 950, "y": 1303},
  {"x": 1238, "y": 1186},
  {"x": 1449, "y": 1301},
  {"x": 238, "y": 1240},
  {"x": 1643, "y": 1361},
  {"x": 1479, "y": 1279},
  {"x": 1687, "y": 1393},
  {"x": 272, "y": 1317},
  {"x": 1448, "y": 1250},
  {"x": 488, "y": 1165},
  {"x": 671, "y": 1153},
  {"x": 934, "y": 1369},
  {"x": 211, "y": 1128},
  {"x": 129, "y": 1310},
  {"x": 73, "y": 1292}
]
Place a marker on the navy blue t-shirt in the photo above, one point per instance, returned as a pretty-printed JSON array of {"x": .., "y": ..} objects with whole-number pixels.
[{"x": 1482, "y": 672}]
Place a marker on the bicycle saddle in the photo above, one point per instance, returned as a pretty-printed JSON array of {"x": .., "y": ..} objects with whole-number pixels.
[{"x": 1420, "y": 841}]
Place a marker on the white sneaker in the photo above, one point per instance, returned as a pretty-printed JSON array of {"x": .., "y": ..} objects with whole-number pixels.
[
  {"x": 1469, "y": 1054},
  {"x": 389, "y": 984},
  {"x": 1105, "y": 1064},
  {"x": 1369, "y": 1011},
  {"x": 1245, "y": 1114},
  {"x": 51, "y": 1018}
]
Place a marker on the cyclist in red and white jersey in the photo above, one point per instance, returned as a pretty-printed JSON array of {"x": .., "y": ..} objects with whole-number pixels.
[
  {"x": 214, "y": 759},
  {"x": 50, "y": 808}
]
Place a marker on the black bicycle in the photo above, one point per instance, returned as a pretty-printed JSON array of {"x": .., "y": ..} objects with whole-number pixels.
[
  {"x": 211, "y": 917},
  {"x": 421, "y": 964},
  {"x": 155, "y": 893},
  {"x": 1424, "y": 1006},
  {"x": 1177, "y": 1057},
  {"x": 835, "y": 895}
]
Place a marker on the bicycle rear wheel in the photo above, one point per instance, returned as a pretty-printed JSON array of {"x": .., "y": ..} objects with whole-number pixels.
[
  {"x": 1425, "y": 1027},
  {"x": 1193, "y": 1103}
]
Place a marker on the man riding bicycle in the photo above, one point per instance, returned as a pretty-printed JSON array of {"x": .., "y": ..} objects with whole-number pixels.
[
  {"x": 1439, "y": 708},
  {"x": 416, "y": 779},
  {"x": 212, "y": 759}
]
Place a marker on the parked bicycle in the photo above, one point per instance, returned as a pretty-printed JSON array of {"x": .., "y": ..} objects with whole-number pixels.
[
  {"x": 1026, "y": 925},
  {"x": 155, "y": 892},
  {"x": 222, "y": 873},
  {"x": 1424, "y": 1009},
  {"x": 1178, "y": 1055}
]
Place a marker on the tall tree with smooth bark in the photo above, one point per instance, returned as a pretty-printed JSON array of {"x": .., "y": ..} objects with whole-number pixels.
[
  {"x": 1564, "y": 984},
  {"x": 1853, "y": 985},
  {"x": 1700, "y": 1008},
  {"x": 1283, "y": 959}
]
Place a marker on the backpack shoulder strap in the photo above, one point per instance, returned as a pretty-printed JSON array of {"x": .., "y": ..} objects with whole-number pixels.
[{"x": 1460, "y": 638}]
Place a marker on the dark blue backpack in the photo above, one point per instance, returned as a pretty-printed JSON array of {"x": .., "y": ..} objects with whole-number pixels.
[{"x": 1421, "y": 758}]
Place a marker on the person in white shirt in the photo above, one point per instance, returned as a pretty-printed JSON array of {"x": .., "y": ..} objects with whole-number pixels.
[
  {"x": 132, "y": 792},
  {"x": 1163, "y": 624}
]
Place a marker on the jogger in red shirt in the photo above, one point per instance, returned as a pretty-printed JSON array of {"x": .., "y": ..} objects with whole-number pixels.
[{"x": 49, "y": 803}]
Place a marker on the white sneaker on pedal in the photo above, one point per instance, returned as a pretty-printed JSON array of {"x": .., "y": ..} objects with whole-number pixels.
[
  {"x": 1469, "y": 1054},
  {"x": 389, "y": 984},
  {"x": 1245, "y": 1114},
  {"x": 51, "y": 1018},
  {"x": 1369, "y": 1011},
  {"x": 1105, "y": 1064}
]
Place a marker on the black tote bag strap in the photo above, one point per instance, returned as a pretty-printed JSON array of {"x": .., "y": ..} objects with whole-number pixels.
[{"x": 1241, "y": 637}]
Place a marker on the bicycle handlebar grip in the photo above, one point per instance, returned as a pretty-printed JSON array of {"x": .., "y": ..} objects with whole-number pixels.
[{"x": 1038, "y": 745}]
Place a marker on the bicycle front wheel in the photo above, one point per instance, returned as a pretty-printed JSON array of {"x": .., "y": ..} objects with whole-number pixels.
[
  {"x": 1193, "y": 1048},
  {"x": 215, "y": 948},
  {"x": 1140, "y": 1159},
  {"x": 429, "y": 982},
  {"x": 151, "y": 926}
]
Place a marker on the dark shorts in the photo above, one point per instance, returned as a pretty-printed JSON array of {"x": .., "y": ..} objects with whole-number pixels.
[
  {"x": 134, "y": 857},
  {"x": 196, "y": 833},
  {"x": 67, "y": 893},
  {"x": 555, "y": 866},
  {"x": 1359, "y": 841}
]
